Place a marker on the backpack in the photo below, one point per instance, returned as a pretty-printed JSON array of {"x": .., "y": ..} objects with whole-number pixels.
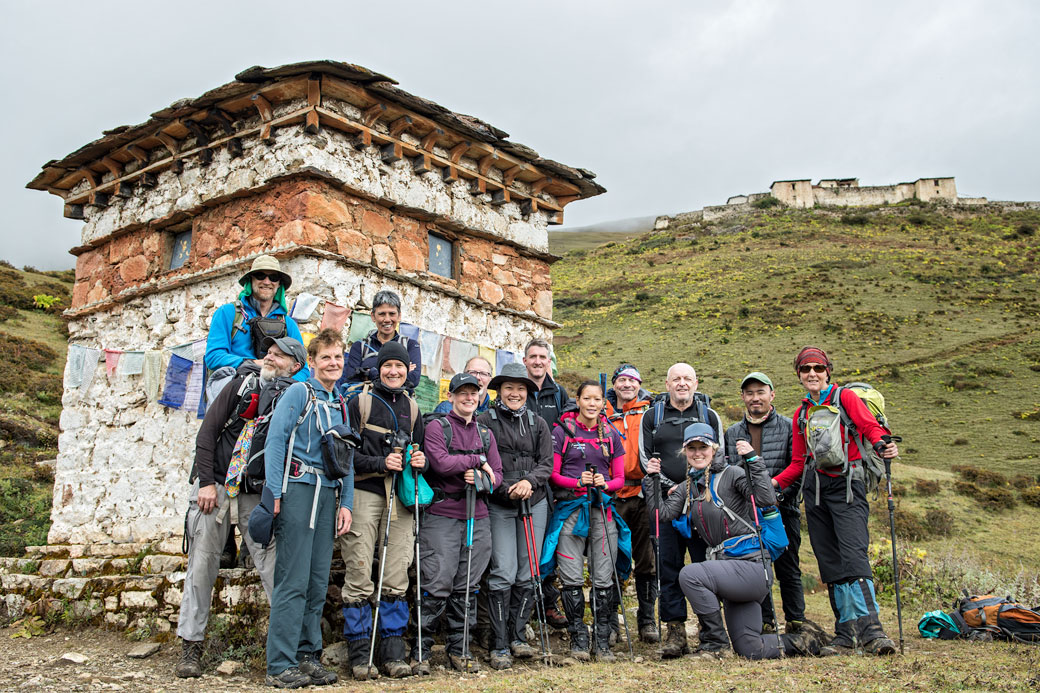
[
  {"x": 770, "y": 525},
  {"x": 255, "y": 472},
  {"x": 938, "y": 624},
  {"x": 826, "y": 447},
  {"x": 700, "y": 400},
  {"x": 986, "y": 616},
  {"x": 442, "y": 419},
  {"x": 260, "y": 328},
  {"x": 572, "y": 436}
]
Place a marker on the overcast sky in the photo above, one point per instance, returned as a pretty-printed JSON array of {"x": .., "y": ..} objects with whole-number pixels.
[{"x": 674, "y": 104}]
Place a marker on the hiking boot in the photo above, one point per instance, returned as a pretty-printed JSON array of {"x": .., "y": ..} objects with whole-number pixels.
[
  {"x": 555, "y": 619},
  {"x": 420, "y": 668},
  {"x": 397, "y": 669},
  {"x": 190, "y": 664},
  {"x": 290, "y": 678},
  {"x": 648, "y": 633},
  {"x": 359, "y": 668},
  {"x": 801, "y": 643},
  {"x": 675, "y": 644},
  {"x": 606, "y": 611},
  {"x": 521, "y": 650},
  {"x": 465, "y": 665},
  {"x": 768, "y": 629},
  {"x": 710, "y": 654},
  {"x": 500, "y": 659},
  {"x": 880, "y": 646},
  {"x": 574, "y": 603},
  {"x": 320, "y": 676},
  {"x": 837, "y": 651}
]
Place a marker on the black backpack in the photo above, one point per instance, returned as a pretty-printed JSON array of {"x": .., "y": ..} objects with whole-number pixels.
[{"x": 255, "y": 473}]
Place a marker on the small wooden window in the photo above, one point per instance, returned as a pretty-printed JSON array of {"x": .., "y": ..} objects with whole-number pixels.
[
  {"x": 442, "y": 256},
  {"x": 180, "y": 249}
]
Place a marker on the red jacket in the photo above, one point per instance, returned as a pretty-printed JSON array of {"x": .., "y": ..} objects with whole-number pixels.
[{"x": 865, "y": 422}]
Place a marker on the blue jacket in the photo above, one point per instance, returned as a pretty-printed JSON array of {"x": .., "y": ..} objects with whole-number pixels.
[
  {"x": 307, "y": 444},
  {"x": 222, "y": 350},
  {"x": 364, "y": 355},
  {"x": 563, "y": 510}
]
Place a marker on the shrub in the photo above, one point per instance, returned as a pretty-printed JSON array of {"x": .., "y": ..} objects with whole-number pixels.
[
  {"x": 960, "y": 441},
  {"x": 938, "y": 522},
  {"x": 994, "y": 499},
  {"x": 7, "y": 312},
  {"x": 1023, "y": 481},
  {"x": 766, "y": 202},
  {"x": 5, "y": 263},
  {"x": 1031, "y": 496},
  {"x": 1026, "y": 230},
  {"x": 855, "y": 219},
  {"x": 926, "y": 487}
]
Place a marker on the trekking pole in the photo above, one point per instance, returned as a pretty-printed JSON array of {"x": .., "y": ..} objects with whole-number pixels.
[
  {"x": 767, "y": 562},
  {"x": 892, "y": 526},
  {"x": 531, "y": 539},
  {"x": 418, "y": 570},
  {"x": 589, "y": 541},
  {"x": 382, "y": 564},
  {"x": 471, "y": 508},
  {"x": 657, "y": 542},
  {"x": 617, "y": 579}
]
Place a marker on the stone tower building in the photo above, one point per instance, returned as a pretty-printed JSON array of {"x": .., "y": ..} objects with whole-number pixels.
[{"x": 354, "y": 184}]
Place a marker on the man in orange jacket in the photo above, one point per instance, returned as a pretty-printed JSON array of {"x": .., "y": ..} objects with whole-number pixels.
[{"x": 626, "y": 403}]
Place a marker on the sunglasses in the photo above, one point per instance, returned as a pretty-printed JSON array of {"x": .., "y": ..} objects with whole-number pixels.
[
  {"x": 269, "y": 276},
  {"x": 813, "y": 367}
]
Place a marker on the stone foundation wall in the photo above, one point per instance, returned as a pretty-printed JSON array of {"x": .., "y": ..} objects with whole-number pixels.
[
  {"x": 122, "y": 466},
  {"x": 129, "y": 593}
]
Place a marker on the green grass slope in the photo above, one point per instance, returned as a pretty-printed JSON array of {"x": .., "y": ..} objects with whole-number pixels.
[
  {"x": 937, "y": 307},
  {"x": 32, "y": 360}
]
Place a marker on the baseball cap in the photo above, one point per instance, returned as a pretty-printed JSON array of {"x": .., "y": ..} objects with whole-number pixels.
[
  {"x": 759, "y": 376},
  {"x": 460, "y": 379}
]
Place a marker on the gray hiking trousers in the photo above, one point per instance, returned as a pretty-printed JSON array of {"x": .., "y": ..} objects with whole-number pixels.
[
  {"x": 741, "y": 586},
  {"x": 571, "y": 551},
  {"x": 509, "y": 562},
  {"x": 207, "y": 534}
]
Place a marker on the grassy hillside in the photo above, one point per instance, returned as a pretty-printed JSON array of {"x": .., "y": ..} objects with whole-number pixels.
[
  {"x": 32, "y": 360},
  {"x": 937, "y": 307},
  {"x": 561, "y": 242}
]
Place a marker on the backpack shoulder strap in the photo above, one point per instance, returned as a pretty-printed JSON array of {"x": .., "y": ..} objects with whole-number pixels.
[
  {"x": 569, "y": 433},
  {"x": 413, "y": 408},
  {"x": 446, "y": 426},
  {"x": 364, "y": 402},
  {"x": 718, "y": 502},
  {"x": 240, "y": 318},
  {"x": 485, "y": 438},
  {"x": 658, "y": 416},
  {"x": 493, "y": 414}
]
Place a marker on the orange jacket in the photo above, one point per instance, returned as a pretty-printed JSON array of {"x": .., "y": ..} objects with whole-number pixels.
[{"x": 628, "y": 423}]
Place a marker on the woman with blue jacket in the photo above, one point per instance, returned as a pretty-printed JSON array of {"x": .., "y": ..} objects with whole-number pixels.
[{"x": 306, "y": 516}]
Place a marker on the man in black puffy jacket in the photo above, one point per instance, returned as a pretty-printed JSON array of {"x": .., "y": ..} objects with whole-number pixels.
[{"x": 769, "y": 434}]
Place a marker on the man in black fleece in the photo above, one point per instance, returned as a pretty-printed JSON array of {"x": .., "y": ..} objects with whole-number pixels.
[
  {"x": 381, "y": 415},
  {"x": 767, "y": 433}
]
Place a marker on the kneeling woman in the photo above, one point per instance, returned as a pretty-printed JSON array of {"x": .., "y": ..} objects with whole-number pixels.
[
  {"x": 588, "y": 464},
  {"x": 741, "y": 583}
]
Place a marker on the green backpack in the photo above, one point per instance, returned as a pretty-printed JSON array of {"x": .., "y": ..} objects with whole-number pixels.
[{"x": 826, "y": 449}]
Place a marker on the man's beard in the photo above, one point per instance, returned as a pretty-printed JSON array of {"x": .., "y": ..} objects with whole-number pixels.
[{"x": 268, "y": 373}]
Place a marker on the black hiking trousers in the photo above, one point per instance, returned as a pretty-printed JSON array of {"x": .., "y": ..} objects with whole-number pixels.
[{"x": 837, "y": 530}]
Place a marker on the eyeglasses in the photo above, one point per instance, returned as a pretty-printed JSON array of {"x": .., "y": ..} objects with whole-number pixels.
[
  {"x": 479, "y": 374},
  {"x": 812, "y": 367},
  {"x": 269, "y": 276}
]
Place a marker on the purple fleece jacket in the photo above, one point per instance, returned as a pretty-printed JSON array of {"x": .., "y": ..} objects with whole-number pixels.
[{"x": 446, "y": 469}]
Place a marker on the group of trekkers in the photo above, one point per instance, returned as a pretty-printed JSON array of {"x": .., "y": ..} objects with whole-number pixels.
[{"x": 484, "y": 515}]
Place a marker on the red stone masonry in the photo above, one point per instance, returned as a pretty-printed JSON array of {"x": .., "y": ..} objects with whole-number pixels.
[{"x": 316, "y": 214}]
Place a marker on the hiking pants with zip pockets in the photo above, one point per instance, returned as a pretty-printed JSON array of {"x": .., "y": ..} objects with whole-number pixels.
[
  {"x": 363, "y": 542},
  {"x": 208, "y": 532},
  {"x": 301, "y": 575},
  {"x": 509, "y": 564},
  {"x": 571, "y": 550},
  {"x": 741, "y": 586},
  {"x": 837, "y": 530}
]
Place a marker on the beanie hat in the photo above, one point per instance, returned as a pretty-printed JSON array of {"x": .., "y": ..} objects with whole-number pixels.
[
  {"x": 812, "y": 354},
  {"x": 628, "y": 370},
  {"x": 392, "y": 351}
]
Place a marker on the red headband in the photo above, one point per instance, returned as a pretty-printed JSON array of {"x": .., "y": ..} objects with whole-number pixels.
[{"x": 812, "y": 354}]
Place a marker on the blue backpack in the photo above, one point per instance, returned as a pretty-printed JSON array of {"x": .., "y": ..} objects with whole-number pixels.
[{"x": 770, "y": 525}]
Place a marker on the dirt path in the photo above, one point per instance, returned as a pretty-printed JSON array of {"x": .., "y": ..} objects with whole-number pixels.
[{"x": 35, "y": 665}]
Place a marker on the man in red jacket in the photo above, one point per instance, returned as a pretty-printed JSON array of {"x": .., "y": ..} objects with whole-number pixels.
[{"x": 836, "y": 508}]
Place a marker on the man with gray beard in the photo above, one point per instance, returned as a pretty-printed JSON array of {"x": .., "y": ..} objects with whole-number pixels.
[{"x": 218, "y": 499}]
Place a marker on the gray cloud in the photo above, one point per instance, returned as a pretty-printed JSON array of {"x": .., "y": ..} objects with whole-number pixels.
[{"x": 675, "y": 104}]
